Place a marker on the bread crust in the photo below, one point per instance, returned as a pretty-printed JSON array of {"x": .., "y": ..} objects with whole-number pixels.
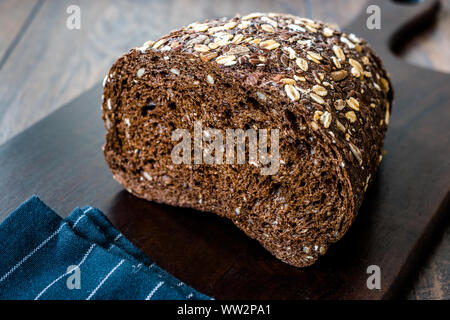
[{"x": 327, "y": 92}]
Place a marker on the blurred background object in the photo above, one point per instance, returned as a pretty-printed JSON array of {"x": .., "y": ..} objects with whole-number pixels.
[{"x": 44, "y": 64}]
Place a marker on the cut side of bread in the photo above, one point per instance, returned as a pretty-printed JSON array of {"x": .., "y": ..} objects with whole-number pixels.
[{"x": 323, "y": 92}]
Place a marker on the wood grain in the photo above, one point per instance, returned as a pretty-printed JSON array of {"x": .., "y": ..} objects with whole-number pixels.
[
  {"x": 49, "y": 65},
  {"x": 431, "y": 49},
  {"x": 432, "y": 281},
  {"x": 13, "y": 22}
]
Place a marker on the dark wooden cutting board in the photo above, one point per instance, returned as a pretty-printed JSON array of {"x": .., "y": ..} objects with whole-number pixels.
[{"x": 60, "y": 160}]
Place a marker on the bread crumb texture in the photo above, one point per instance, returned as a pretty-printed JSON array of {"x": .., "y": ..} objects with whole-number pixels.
[{"x": 326, "y": 92}]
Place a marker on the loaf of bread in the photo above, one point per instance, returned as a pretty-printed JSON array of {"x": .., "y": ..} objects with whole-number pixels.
[{"x": 320, "y": 99}]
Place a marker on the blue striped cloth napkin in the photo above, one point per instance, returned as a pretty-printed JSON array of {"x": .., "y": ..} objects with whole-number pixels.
[{"x": 82, "y": 257}]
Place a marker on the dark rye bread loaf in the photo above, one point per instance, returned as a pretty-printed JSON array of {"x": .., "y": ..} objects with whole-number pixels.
[{"x": 325, "y": 91}]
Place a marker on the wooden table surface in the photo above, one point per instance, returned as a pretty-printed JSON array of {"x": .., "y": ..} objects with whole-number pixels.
[{"x": 43, "y": 64}]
